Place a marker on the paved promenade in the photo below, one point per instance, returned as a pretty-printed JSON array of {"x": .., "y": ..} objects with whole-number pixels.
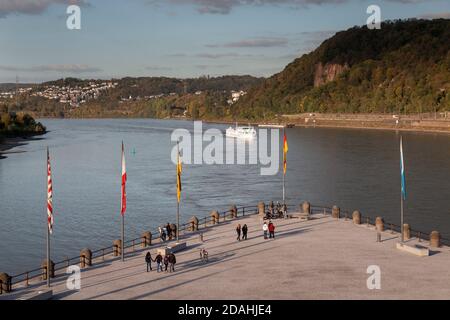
[{"x": 323, "y": 258}]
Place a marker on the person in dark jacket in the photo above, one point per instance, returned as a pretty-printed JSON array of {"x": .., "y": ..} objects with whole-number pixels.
[
  {"x": 238, "y": 231},
  {"x": 166, "y": 262},
  {"x": 169, "y": 231},
  {"x": 172, "y": 261},
  {"x": 271, "y": 230},
  {"x": 158, "y": 260},
  {"x": 244, "y": 232},
  {"x": 148, "y": 261}
]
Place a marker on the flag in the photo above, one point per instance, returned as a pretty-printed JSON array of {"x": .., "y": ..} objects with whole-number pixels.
[
  {"x": 179, "y": 170},
  {"x": 285, "y": 151},
  {"x": 124, "y": 180},
  {"x": 402, "y": 170},
  {"x": 49, "y": 195}
]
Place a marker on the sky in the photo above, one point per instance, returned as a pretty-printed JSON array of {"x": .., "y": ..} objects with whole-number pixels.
[{"x": 177, "y": 38}]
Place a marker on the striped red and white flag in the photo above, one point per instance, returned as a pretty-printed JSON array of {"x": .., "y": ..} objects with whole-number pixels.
[
  {"x": 124, "y": 181},
  {"x": 49, "y": 195}
]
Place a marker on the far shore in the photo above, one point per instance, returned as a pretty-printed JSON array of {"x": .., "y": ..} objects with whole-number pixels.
[{"x": 410, "y": 123}]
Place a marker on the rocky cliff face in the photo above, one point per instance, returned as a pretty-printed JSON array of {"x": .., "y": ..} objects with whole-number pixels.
[{"x": 328, "y": 72}]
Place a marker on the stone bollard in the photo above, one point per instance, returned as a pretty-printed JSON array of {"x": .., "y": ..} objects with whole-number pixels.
[
  {"x": 5, "y": 283},
  {"x": 44, "y": 269},
  {"x": 435, "y": 239},
  {"x": 146, "y": 239},
  {"x": 356, "y": 217},
  {"x": 117, "y": 247},
  {"x": 306, "y": 207},
  {"x": 233, "y": 211},
  {"x": 193, "y": 224},
  {"x": 85, "y": 258},
  {"x": 379, "y": 224},
  {"x": 214, "y": 216},
  {"x": 335, "y": 212},
  {"x": 406, "y": 232},
  {"x": 261, "y": 209}
]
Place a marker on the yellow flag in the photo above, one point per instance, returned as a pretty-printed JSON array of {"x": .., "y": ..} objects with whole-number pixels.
[
  {"x": 285, "y": 151},
  {"x": 179, "y": 170}
]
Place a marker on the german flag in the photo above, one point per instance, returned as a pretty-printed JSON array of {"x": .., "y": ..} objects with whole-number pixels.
[
  {"x": 285, "y": 151},
  {"x": 179, "y": 170}
]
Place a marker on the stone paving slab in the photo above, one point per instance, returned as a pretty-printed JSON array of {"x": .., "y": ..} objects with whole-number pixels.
[{"x": 322, "y": 258}]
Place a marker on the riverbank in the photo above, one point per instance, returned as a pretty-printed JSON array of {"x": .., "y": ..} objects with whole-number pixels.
[
  {"x": 320, "y": 258},
  {"x": 412, "y": 123}
]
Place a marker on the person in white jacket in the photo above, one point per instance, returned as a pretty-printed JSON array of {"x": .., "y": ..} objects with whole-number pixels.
[{"x": 265, "y": 228}]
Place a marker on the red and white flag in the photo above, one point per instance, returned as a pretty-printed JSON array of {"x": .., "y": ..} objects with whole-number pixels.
[
  {"x": 49, "y": 195},
  {"x": 124, "y": 181}
]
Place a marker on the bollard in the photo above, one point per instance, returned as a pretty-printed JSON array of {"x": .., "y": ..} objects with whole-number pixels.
[
  {"x": 435, "y": 239},
  {"x": 356, "y": 217},
  {"x": 233, "y": 211},
  {"x": 406, "y": 232},
  {"x": 5, "y": 283},
  {"x": 261, "y": 209},
  {"x": 44, "y": 269},
  {"x": 193, "y": 224},
  {"x": 378, "y": 236},
  {"x": 146, "y": 239},
  {"x": 85, "y": 258},
  {"x": 379, "y": 224},
  {"x": 335, "y": 212},
  {"x": 214, "y": 217},
  {"x": 117, "y": 247},
  {"x": 200, "y": 237},
  {"x": 306, "y": 207}
]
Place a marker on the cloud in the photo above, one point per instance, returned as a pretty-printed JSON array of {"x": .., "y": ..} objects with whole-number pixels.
[
  {"x": 440, "y": 15},
  {"x": 158, "y": 68},
  {"x": 253, "y": 43},
  {"x": 205, "y": 66},
  {"x": 226, "y": 6},
  {"x": 31, "y": 7},
  {"x": 70, "y": 68}
]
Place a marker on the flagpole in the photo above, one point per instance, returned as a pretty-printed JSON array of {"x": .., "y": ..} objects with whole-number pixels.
[
  {"x": 401, "y": 216},
  {"x": 178, "y": 201},
  {"x": 48, "y": 230},
  {"x": 284, "y": 173},
  {"x": 402, "y": 190},
  {"x": 123, "y": 220},
  {"x": 123, "y": 237}
]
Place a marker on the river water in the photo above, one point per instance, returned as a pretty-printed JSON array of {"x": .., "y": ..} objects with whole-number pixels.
[{"x": 355, "y": 169}]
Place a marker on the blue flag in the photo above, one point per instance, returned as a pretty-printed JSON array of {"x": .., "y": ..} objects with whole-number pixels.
[{"x": 402, "y": 170}]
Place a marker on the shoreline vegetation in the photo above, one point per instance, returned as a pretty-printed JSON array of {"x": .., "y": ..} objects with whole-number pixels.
[{"x": 16, "y": 129}]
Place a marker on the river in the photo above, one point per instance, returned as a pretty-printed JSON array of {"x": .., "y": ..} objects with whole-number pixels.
[{"x": 355, "y": 169}]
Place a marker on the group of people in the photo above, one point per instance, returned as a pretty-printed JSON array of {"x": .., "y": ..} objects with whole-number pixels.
[
  {"x": 268, "y": 231},
  {"x": 168, "y": 260},
  {"x": 269, "y": 228},
  {"x": 243, "y": 230},
  {"x": 168, "y": 231},
  {"x": 278, "y": 211}
]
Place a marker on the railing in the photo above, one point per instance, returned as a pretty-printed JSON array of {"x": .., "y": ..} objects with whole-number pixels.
[
  {"x": 203, "y": 223},
  {"x": 101, "y": 253}
]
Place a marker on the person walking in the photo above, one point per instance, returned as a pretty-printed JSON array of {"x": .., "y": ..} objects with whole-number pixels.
[
  {"x": 172, "y": 261},
  {"x": 166, "y": 262},
  {"x": 271, "y": 228},
  {"x": 244, "y": 232},
  {"x": 169, "y": 231},
  {"x": 238, "y": 231},
  {"x": 158, "y": 260},
  {"x": 148, "y": 260},
  {"x": 265, "y": 228}
]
